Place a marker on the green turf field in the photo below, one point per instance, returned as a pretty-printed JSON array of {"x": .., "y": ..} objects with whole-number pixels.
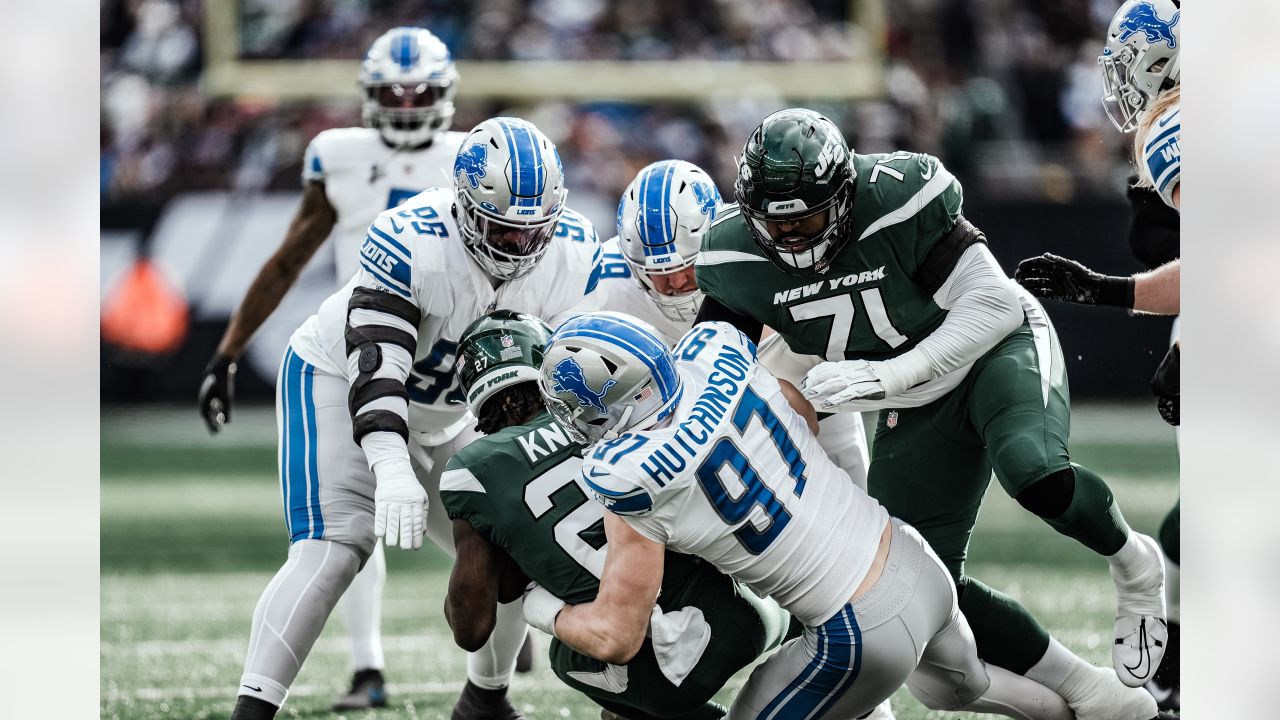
[{"x": 192, "y": 530}]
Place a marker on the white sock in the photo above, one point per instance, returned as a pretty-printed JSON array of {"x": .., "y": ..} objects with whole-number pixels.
[
  {"x": 361, "y": 610},
  {"x": 1131, "y": 559},
  {"x": 1058, "y": 669},
  {"x": 491, "y": 666},
  {"x": 1172, "y": 606},
  {"x": 291, "y": 613},
  {"x": 845, "y": 442},
  {"x": 1015, "y": 696}
]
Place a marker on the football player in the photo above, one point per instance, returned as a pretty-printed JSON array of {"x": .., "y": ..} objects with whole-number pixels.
[
  {"x": 703, "y": 452},
  {"x": 517, "y": 496},
  {"x": 867, "y": 261},
  {"x": 1141, "y": 71},
  {"x": 367, "y": 403},
  {"x": 349, "y": 175}
]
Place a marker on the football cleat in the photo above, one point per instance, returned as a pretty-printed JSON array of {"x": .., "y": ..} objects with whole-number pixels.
[
  {"x": 1165, "y": 685},
  {"x": 1101, "y": 696},
  {"x": 1141, "y": 634},
  {"x": 368, "y": 690},
  {"x": 476, "y": 703}
]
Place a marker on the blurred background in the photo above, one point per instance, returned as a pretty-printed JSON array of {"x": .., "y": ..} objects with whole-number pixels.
[{"x": 206, "y": 110}]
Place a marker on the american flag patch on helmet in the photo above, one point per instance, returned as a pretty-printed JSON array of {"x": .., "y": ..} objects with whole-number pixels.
[{"x": 643, "y": 395}]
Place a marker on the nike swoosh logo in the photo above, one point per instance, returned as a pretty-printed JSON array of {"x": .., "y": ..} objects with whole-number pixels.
[
  {"x": 1166, "y": 120},
  {"x": 255, "y": 689},
  {"x": 395, "y": 225},
  {"x": 593, "y": 473},
  {"x": 1144, "y": 659},
  {"x": 928, "y": 171}
]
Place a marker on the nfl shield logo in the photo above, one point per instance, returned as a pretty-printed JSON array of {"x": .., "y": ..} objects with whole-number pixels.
[
  {"x": 507, "y": 341},
  {"x": 892, "y": 420}
]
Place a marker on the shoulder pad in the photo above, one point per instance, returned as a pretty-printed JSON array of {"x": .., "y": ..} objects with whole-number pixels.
[
  {"x": 385, "y": 254},
  {"x": 1162, "y": 154},
  {"x": 714, "y": 335},
  {"x": 615, "y": 492},
  {"x": 575, "y": 227}
]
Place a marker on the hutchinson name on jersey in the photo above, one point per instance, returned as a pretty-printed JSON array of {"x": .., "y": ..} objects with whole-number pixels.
[{"x": 737, "y": 478}]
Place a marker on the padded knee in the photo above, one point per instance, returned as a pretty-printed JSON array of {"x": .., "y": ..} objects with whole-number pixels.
[{"x": 1050, "y": 496}]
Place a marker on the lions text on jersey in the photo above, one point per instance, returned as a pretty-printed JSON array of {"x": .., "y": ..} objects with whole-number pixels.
[
  {"x": 414, "y": 252},
  {"x": 1162, "y": 154},
  {"x": 737, "y": 478},
  {"x": 363, "y": 176}
]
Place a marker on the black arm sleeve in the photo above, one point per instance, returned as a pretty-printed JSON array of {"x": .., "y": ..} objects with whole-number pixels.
[
  {"x": 713, "y": 311},
  {"x": 1155, "y": 228}
]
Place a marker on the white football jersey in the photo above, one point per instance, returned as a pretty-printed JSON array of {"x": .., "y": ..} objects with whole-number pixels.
[
  {"x": 415, "y": 251},
  {"x": 1162, "y": 154},
  {"x": 363, "y": 176},
  {"x": 620, "y": 292},
  {"x": 736, "y": 478}
]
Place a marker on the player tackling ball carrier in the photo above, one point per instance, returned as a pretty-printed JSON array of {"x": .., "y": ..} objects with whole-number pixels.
[
  {"x": 521, "y": 511},
  {"x": 701, "y": 451},
  {"x": 367, "y": 404}
]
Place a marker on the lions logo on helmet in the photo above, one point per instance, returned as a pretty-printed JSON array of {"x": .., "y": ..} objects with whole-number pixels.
[
  {"x": 1142, "y": 18},
  {"x": 568, "y": 377},
  {"x": 470, "y": 162}
]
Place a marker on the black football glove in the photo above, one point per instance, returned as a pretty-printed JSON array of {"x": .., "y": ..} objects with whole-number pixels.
[
  {"x": 217, "y": 391},
  {"x": 1165, "y": 385},
  {"x": 1057, "y": 278}
]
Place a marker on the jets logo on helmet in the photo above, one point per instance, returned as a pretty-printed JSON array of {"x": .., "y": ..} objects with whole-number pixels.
[
  {"x": 662, "y": 217},
  {"x": 568, "y": 378},
  {"x": 470, "y": 162},
  {"x": 510, "y": 190},
  {"x": 409, "y": 82}
]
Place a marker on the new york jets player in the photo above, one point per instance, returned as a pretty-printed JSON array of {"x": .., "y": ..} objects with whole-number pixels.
[
  {"x": 662, "y": 218},
  {"x": 375, "y": 366},
  {"x": 349, "y": 175},
  {"x": 703, "y": 452},
  {"x": 518, "y": 496},
  {"x": 866, "y": 261}
]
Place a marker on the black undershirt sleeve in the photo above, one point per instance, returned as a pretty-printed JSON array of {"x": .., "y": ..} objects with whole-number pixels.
[{"x": 713, "y": 311}]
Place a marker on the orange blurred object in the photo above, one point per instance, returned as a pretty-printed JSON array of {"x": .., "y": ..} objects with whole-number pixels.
[{"x": 144, "y": 312}]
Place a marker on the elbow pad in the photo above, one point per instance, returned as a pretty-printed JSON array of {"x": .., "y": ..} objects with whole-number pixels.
[{"x": 942, "y": 258}]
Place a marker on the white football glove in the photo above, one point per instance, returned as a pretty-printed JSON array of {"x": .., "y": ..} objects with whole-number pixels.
[
  {"x": 401, "y": 509},
  {"x": 832, "y": 384},
  {"x": 541, "y": 608}
]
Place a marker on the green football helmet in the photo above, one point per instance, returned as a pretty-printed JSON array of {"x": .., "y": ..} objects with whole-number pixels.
[
  {"x": 795, "y": 187},
  {"x": 498, "y": 350}
]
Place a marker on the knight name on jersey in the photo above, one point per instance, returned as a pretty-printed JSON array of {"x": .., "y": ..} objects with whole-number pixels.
[
  {"x": 724, "y": 384},
  {"x": 858, "y": 278},
  {"x": 553, "y": 436}
]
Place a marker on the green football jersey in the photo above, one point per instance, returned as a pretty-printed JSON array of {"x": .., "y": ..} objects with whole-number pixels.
[
  {"x": 522, "y": 490},
  {"x": 866, "y": 305}
]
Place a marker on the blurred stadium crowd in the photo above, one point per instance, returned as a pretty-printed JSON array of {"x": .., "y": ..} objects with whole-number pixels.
[{"x": 1004, "y": 91}]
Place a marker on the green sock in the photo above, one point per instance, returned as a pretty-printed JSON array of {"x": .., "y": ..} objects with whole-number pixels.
[
  {"x": 1170, "y": 530},
  {"x": 1092, "y": 518},
  {"x": 1006, "y": 632}
]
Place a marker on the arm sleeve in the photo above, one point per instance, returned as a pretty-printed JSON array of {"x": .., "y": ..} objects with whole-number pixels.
[
  {"x": 381, "y": 338},
  {"x": 982, "y": 308}
]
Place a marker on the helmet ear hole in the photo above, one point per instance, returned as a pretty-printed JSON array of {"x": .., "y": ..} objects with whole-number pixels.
[{"x": 612, "y": 366}]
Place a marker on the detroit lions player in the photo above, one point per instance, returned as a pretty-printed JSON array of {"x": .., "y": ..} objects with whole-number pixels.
[
  {"x": 703, "y": 452},
  {"x": 375, "y": 365},
  {"x": 350, "y": 175}
]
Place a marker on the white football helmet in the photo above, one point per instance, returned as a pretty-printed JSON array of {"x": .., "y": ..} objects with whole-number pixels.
[
  {"x": 604, "y": 373},
  {"x": 662, "y": 217},
  {"x": 510, "y": 189},
  {"x": 1140, "y": 58},
  {"x": 409, "y": 82}
]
